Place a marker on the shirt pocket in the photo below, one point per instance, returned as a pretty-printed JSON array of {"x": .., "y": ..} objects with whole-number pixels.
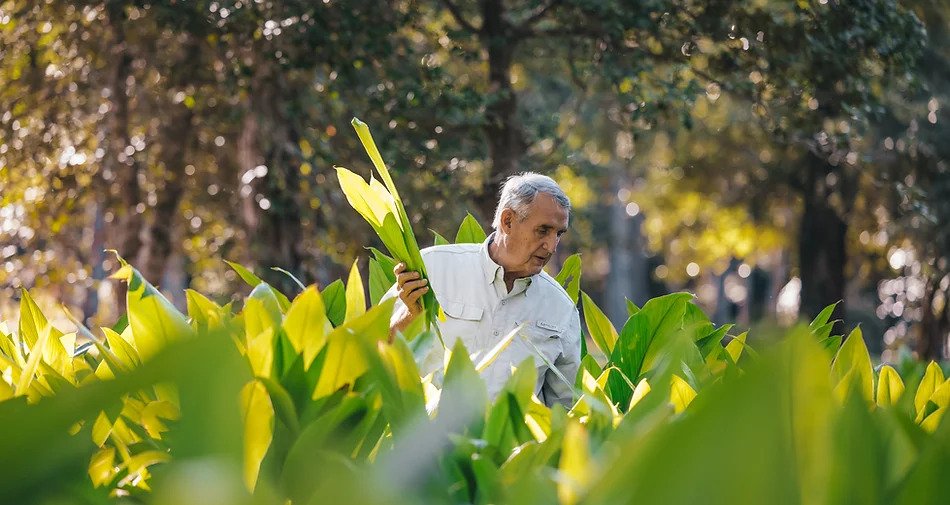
[
  {"x": 543, "y": 338},
  {"x": 462, "y": 311},
  {"x": 463, "y": 320}
]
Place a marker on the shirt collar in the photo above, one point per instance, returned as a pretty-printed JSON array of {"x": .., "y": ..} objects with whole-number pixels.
[{"x": 493, "y": 271}]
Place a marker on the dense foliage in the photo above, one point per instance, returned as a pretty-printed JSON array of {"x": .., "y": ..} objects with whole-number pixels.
[{"x": 307, "y": 400}]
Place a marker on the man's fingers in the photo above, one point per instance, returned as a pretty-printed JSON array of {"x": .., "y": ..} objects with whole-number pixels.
[
  {"x": 411, "y": 286},
  {"x": 414, "y": 296},
  {"x": 405, "y": 277}
]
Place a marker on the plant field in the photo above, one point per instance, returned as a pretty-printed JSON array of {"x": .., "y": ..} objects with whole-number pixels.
[{"x": 303, "y": 399}]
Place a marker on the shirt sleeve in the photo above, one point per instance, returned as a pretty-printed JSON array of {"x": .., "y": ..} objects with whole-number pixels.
[{"x": 554, "y": 389}]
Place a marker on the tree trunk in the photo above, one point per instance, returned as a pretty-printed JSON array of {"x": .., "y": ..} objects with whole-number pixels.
[
  {"x": 116, "y": 165},
  {"x": 270, "y": 209},
  {"x": 628, "y": 262},
  {"x": 933, "y": 326},
  {"x": 90, "y": 305},
  {"x": 176, "y": 136},
  {"x": 821, "y": 249},
  {"x": 760, "y": 298},
  {"x": 158, "y": 244},
  {"x": 506, "y": 144}
]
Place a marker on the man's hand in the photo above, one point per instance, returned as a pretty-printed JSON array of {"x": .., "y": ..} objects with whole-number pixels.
[{"x": 409, "y": 287}]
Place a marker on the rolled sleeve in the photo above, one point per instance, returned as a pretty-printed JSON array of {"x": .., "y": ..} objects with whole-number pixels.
[{"x": 554, "y": 389}]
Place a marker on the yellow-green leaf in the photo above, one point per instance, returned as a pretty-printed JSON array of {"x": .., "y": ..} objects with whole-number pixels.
[
  {"x": 643, "y": 387},
  {"x": 101, "y": 466},
  {"x": 258, "y": 414},
  {"x": 153, "y": 319},
  {"x": 600, "y": 328},
  {"x": 736, "y": 345},
  {"x": 890, "y": 387},
  {"x": 681, "y": 394},
  {"x": 932, "y": 379},
  {"x": 854, "y": 364},
  {"x": 345, "y": 361},
  {"x": 355, "y": 295},
  {"x": 576, "y": 467},
  {"x": 307, "y": 325}
]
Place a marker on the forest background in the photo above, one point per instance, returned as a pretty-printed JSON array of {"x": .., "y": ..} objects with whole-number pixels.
[{"x": 770, "y": 156}]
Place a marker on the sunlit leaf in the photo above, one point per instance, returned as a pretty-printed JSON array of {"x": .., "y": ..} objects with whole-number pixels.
[
  {"x": 570, "y": 276},
  {"x": 576, "y": 467},
  {"x": 890, "y": 387},
  {"x": 932, "y": 379},
  {"x": 470, "y": 232},
  {"x": 601, "y": 330},
  {"x": 681, "y": 394},
  {"x": 306, "y": 324},
  {"x": 258, "y": 414},
  {"x": 355, "y": 296},
  {"x": 854, "y": 362}
]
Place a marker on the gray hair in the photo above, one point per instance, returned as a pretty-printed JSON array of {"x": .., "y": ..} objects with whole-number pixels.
[{"x": 520, "y": 191}]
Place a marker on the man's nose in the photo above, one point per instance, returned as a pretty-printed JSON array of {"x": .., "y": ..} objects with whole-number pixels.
[{"x": 550, "y": 244}]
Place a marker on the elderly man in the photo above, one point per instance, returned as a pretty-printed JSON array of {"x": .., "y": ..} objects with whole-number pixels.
[{"x": 487, "y": 290}]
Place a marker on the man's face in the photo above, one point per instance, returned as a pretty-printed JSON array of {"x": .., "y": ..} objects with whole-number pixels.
[{"x": 531, "y": 242}]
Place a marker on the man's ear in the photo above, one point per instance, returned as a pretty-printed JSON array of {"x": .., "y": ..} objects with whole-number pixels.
[{"x": 507, "y": 217}]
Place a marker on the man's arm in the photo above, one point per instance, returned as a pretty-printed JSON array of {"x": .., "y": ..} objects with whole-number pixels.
[{"x": 555, "y": 390}]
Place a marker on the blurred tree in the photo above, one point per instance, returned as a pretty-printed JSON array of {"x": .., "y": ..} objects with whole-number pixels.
[{"x": 815, "y": 74}]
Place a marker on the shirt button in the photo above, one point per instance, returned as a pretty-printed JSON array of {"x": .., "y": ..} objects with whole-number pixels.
[
  {"x": 496, "y": 333},
  {"x": 504, "y": 302}
]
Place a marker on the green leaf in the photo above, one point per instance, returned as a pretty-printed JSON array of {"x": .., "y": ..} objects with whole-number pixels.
[
  {"x": 822, "y": 318},
  {"x": 244, "y": 273},
  {"x": 284, "y": 405},
  {"x": 601, "y": 330},
  {"x": 258, "y": 429},
  {"x": 334, "y": 298},
  {"x": 831, "y": 344},
  {"x": 355, "y": 296},
  {"x": 570, "y": 276},
  {"x": 631, "y": 307},
  {"x": 470, "y": 232},
  {"x": 439, "y": 239},
  {"x": 463, "y": 392},
  {"x": 292, "y": 277},
  {"x": 378, "y": 282},
  {"x": 386, "y": 263},
  {"x": 854, "y": 364},
  {"x": 646, "y": 333},
  {"x": 590, "y": 364},
  {"x": 254, "y": 281}
]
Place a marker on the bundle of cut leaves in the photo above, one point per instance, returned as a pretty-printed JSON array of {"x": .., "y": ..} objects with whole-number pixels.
[{"x": 380, "y": 205}]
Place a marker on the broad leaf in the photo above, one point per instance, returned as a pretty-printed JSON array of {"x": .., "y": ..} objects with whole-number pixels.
[
  {"x": 258, "y": 414},
  {"x": 470, "y": 232},
  {"x": 854, "y": 363},
  {"x": 890, "y": 387},
  {"x": 601, "y": 330},
  {"x": 355, "y": 295}
]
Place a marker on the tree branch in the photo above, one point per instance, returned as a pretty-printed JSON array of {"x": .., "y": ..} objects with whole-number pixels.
[
  {"x": 459, "y": 17},
  {"x": 534, "y": 17}
]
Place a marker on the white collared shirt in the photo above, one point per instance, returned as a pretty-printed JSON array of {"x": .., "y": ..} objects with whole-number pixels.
[{"x": 478, "y": 308}]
